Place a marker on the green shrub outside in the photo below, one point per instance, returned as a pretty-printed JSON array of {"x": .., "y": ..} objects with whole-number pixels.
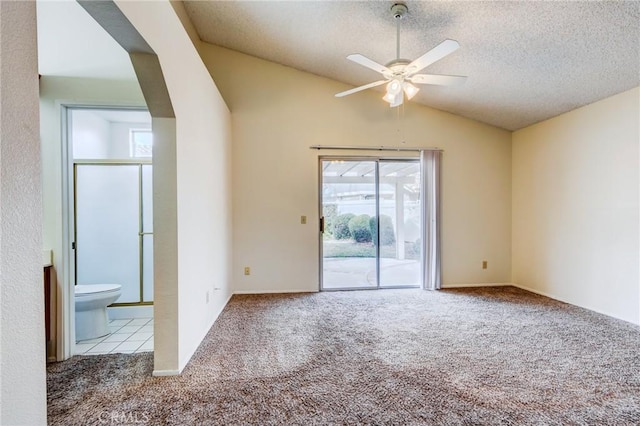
[
  {"x": 360, "y": 228},
  {"x": 417, "y": 246},
  {"x": 387, "y": 233},
  {"x": 330, "y": 212},
  {"x": 340, "y": 228}
]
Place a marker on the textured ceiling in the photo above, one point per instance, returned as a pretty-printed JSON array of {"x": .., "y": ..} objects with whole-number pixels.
[{"x": 525, "y": 61}]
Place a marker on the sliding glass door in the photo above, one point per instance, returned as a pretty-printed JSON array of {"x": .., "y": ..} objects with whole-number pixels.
[
  {"x": 399, "y": 221},
  {"x": 349, "y": 255},
  {"x": 370, "y": 223}
]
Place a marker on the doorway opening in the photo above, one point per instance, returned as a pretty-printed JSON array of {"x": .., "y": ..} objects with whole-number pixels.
[
  {"x": 109, "y": 222},
  {"x": 370, "y": 229}
]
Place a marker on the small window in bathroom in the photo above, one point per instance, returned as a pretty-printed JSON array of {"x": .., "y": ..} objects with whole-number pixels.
[{"x": 141, "y": 143}]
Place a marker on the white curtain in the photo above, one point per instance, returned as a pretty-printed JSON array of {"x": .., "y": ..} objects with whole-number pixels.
[{"x": 430, "y": 163}]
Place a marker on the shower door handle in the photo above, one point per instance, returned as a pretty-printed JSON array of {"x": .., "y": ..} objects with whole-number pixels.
[{"x": 322, "y": 225}]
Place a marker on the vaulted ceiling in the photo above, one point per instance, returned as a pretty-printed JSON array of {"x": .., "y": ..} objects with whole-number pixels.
[{"x": 526, "y": 61}]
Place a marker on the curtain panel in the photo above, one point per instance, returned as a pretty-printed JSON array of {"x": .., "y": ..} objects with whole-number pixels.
[{"x": 430, "y": 164}]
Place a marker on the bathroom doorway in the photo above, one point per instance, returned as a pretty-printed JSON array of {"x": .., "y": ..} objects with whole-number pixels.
[{"x": 110, "y": 220}]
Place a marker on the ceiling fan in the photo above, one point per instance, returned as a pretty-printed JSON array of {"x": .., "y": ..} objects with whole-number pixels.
[{"x": 399, "y": 74}]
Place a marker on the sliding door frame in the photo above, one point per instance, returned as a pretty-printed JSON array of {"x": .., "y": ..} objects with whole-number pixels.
[
  {"x": 320, "y": 215},
  {"x": 377, "y": 160}
]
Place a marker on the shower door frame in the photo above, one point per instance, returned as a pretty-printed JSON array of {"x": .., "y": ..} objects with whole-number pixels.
[{"x": 141, "y": 233}]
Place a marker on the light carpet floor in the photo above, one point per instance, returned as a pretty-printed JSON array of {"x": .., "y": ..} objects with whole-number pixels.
[{"x": 466, "y": 356}]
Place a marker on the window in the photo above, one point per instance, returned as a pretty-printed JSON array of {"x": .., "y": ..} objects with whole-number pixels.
[{"x": 140, "y": 143}]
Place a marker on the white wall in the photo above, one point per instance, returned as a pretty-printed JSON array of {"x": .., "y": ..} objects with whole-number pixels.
[
  {"x": 90, "y": 135},
  {"x": 575, "y": 207},
  {"x": 203, "y": 149},
  {"x": 278, "y": 112},
  {"x": 22, "y": 335}
]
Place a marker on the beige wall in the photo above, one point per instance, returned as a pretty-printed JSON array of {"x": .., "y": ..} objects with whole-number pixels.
[
  {"x": 23, "y": 398},
  {"x": 203, "y": 170},
  {"x": 575, "y": 207},
  {"x": 278, "y": 112}
]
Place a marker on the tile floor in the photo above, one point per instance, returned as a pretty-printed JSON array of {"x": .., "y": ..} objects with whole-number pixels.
[{"x": 127, "y": 336}]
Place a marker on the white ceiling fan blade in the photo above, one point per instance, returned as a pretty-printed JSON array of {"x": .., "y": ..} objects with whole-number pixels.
[
  {"x": 366, "y": 62},
  {"x": 435, "y": 54},
  {"x": 442, "y": 80},
  {"x": 357, "y": 89}
]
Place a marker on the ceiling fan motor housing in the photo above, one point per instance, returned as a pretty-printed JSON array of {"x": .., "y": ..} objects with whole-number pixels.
[{"x": 399, "y": 10}]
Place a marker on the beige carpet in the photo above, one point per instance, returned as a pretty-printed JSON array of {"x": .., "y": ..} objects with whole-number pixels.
[{"x": 468, "y": 356}]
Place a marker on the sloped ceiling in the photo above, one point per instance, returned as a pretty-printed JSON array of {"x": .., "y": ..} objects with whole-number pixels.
[{"x": 525, "y": 61}]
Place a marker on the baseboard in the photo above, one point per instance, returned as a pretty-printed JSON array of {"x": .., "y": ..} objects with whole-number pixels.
[
  {"x": 206, "y": 331},
  {"x": 456, "y": 285},
  {"x": 550, "y": 296},
  {"x": 126, "y": 312},
  {"x": 163, "y": 373},
  {"x": 306, "y": 290},
  {"x": 541, "y": 293},
  {"x": 464, "y": 285}
]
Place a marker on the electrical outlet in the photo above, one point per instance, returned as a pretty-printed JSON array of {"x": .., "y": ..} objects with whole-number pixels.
[
  {"x": 484, "y": 264},
  {"x": 247, "y": 270},
  {"x": 303, "y": 220}
]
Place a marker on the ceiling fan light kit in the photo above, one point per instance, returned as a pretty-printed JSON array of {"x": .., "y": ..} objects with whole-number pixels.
[
  {"x": 410, "y": 90},
  {"x": 399, "y": 74}
]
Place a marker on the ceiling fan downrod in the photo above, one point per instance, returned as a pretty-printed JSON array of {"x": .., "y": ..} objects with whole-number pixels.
[{"x": 399, "y": 10}]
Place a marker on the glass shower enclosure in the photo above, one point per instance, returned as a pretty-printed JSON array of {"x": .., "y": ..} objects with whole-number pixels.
[
  {"x": 114, "y": 228},
  {"x": 113, "y": 209}
]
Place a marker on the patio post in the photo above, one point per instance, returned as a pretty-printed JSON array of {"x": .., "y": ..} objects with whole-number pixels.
[{"x": 399, "y": 196}]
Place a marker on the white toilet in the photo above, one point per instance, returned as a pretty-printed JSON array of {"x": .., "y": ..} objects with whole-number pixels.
[{"x": 91, "y": 309}]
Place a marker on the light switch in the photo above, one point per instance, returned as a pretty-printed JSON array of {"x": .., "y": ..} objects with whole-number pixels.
[{"x": 303, "y": 220}]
